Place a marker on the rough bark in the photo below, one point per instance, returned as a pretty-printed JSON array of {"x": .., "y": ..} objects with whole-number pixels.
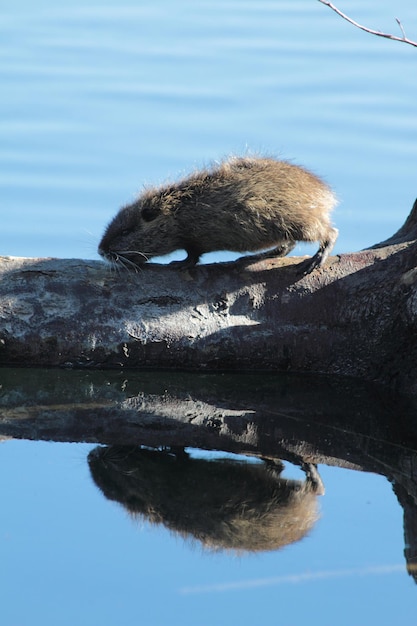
[{"x": 354, "y": 317}]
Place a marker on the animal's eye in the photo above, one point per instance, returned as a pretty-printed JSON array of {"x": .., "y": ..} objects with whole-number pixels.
[{"x": 149, "y": 213}]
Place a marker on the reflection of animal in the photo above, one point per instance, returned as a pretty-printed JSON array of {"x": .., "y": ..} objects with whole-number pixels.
[
  {"x": 224, "y": 504},
  {"x": 244, "y": 204}
]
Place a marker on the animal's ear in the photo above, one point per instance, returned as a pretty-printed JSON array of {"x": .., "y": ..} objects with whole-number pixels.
[{"x": 150, "y": 212}]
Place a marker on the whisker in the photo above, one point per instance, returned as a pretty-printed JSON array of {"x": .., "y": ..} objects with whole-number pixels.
[
  {"x": 114, "y": 264},
  {"x": 117, "y": 265},
  {"x": 122, "y": 252},
  {"x": 120, "y": 259},
  {"x": 127, "y": 263}
]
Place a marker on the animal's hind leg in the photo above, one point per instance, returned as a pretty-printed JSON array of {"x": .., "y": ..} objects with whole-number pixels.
[
  {"x": 321, "y": 255},
  {"x": 313, "y": 478},
  {"x": 282, "y": 250}
]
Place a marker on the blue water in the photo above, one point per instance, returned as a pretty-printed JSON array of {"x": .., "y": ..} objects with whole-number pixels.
[
  {"x": 100, "y": 98},
  {"x": 70, "y": 556}
]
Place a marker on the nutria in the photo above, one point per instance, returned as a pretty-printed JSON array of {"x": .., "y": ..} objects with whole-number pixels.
[
  {"x": 225, "y": 504},
  {"x": 243, "y": 204}
]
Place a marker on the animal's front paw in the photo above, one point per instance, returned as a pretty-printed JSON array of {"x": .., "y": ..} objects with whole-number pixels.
[{"x": 185, "y": 264}]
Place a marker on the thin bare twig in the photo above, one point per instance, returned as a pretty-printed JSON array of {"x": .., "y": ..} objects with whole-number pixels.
[
  {"x": 401, "y": 26},
  {"x": 378, "y": 33}
]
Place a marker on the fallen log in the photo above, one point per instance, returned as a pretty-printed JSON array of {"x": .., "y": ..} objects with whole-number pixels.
[{"x": 354, "y": 317}]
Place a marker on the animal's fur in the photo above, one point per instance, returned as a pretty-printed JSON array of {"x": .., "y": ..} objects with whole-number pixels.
[
  {"x": 224, "y": 504},
  {"x": 243, "y": 205}
]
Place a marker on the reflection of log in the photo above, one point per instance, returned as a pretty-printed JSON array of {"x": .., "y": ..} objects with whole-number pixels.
[
  {"x": 322, "y": 420},
  {"x": 299, "y": 419},
  {"x": 357, "y": 316},
  {"x": 408, "y": 501}
]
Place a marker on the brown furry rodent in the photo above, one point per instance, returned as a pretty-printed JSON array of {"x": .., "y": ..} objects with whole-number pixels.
[
  {"x": 226, "y": 504},
  {"x": 243, "y": 204}
]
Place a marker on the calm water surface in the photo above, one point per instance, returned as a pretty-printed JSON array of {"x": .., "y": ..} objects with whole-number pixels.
[
  {"x": 99, "y": 98},
  {"x": 68, "y": 556}
]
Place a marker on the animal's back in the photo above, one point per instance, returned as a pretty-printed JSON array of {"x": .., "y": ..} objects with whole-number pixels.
[{"x": 247, "y": 204}]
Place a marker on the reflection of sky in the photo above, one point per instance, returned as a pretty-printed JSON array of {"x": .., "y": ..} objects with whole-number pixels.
[{"x": 70, "y": 556}]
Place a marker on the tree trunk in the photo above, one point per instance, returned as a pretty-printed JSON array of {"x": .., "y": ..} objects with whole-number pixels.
[{"x": 354, "y": 317}]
